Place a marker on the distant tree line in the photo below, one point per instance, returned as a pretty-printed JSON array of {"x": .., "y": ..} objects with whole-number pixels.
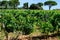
[
  {"x": 9, "y": 4},
  {"x": 14, "y": 4}
]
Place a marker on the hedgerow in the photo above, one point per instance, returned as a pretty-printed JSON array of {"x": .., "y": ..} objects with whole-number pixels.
[{"x": 27, "y": 20}]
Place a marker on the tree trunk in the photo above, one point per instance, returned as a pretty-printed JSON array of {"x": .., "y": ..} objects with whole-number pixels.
[
  {"x": 6, "y": 7},
  {"x": 49, "y": 7},
  {"x": 17, "y": 36},
  {"x": 14, "y": 6},
  {"x": 6, "y": 33},
  {"x": 58, "y": 29}
]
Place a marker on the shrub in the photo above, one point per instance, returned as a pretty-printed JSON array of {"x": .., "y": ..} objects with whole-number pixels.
[{"x": 26, "y": 29}]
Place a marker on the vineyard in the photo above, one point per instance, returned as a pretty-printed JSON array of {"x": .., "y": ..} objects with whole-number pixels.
[{"x": 26, "y": 22}]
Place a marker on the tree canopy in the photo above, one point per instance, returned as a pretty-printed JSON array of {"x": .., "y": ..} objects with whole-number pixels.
[
  {"x": 40, "y": 4},
  {"x": 25, "y": 5},
  {"x": 35, "y": 6},
  {"x": 50, "y": 3}
]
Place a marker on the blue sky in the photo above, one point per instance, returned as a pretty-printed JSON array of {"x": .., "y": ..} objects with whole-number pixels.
[{"x": 36, "y": 1}]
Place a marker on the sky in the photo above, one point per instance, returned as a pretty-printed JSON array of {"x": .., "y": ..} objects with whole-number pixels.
[{"x": 37, "y": 1}]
